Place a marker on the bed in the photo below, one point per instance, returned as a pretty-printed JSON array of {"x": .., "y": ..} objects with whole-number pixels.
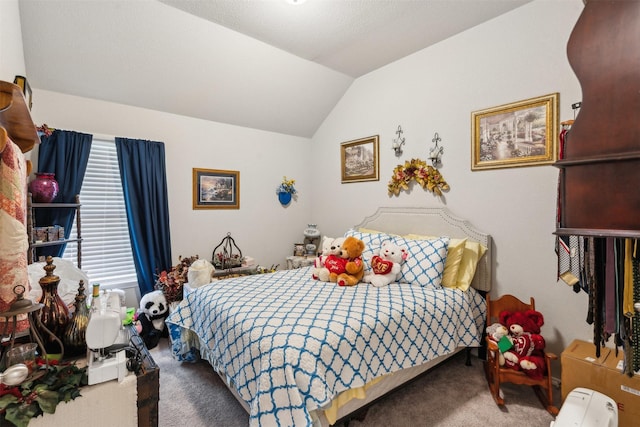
[{"x": 296, "y": 351}]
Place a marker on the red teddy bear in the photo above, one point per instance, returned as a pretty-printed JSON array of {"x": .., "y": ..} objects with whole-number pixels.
[{"x": 528, "y": 345}]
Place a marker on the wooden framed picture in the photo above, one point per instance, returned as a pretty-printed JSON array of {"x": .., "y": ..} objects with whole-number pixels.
[
  {"x": 216, "y": 189},
  {"x": 26, "y": 89},
  {"x": 360, "y": 160},
  {"x": 522, "y": 133}
]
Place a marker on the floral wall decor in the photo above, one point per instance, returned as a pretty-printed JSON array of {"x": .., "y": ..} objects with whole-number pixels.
[
  {"x": 286, "y": 190},
  {"x": 427, "y": 176}
]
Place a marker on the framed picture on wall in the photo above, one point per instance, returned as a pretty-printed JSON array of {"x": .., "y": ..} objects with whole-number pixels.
[
  {"x": 216, "y": 189},
  {"x": 26, "y": 89},
  {"x": 522, "y": 133},
  {"x": 359, "y": 160}
]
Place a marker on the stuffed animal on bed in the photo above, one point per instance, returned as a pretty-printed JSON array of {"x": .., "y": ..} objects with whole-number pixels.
[
  {"x": 526, "y": 354},
  {"x": 151, "y": 318},
  {"x": 386, "y": 266},
  {"x": 351, "y": 251},
  {"x": 334, "y": 263},
  {"x": 330, "y": 248}
]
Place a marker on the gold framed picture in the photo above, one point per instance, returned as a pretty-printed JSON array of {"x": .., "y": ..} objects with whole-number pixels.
[
  {"x": 360, "y": 160},
  {"x": 522, "y": 133},
  {"x": 26, "y": 89},
  {"x": 216, "y": 189}
]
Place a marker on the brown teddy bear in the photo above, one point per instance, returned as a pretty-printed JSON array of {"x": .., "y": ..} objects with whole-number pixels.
[{"x": 351, "y": 250}]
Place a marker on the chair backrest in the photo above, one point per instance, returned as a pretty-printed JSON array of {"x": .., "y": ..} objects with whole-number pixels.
[{"x": 505, "y": 302}]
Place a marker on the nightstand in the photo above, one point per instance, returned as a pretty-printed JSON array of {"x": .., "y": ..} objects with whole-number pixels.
[{"x": 299, "y": 261}]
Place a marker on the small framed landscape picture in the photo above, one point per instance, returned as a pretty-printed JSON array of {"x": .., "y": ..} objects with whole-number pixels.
[
  {"x": 522, "y": 133},
  {"x": 359, "y": 160},
  {"x": 216, "y": 189}
]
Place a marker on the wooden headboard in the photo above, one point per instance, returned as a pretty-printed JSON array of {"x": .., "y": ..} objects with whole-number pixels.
[{"x": 434, "y": 222}]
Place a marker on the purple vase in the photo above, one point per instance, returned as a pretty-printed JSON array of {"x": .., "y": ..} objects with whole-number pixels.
[{"x": 44, "y": 188}]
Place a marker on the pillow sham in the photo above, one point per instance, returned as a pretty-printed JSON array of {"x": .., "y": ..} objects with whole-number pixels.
[
  {"x": 455, "y": 252},
  {"x": 473, "y": 251},
  {"x": 425, "y": 264},
  {"x": 372, "y": 243}
]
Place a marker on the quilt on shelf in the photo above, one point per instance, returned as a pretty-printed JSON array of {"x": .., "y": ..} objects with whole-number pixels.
[{"x": 289, "y": 344}]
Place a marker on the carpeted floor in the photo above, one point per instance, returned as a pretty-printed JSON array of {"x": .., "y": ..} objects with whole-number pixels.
[{"x": 450, "y": 395}]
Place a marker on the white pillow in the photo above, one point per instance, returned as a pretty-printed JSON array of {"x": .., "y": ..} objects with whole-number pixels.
[
  {"x": 69, "y": 275},
  {"x": 425, "y": 264},
  {"x": 200, "y": 273}
]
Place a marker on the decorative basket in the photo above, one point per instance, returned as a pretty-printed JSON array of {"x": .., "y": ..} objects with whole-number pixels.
[{"x": 227, "y": 254}]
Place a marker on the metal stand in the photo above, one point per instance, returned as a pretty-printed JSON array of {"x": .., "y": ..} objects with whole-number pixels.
[{"x": 24, "y": 306}]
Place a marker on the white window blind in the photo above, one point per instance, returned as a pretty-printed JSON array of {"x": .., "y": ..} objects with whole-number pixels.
[{"x": 106, "y": 249}]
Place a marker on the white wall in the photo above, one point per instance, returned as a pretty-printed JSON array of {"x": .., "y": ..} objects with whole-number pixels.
[
  {"x": 262, "y": 228},
  {"x": 517, "y": 56},
  {"x": 514, "y": 57},
  {"x": 12, "y": 63}
]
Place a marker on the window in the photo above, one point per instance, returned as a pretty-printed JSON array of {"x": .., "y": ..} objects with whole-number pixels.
[{"x": 106, "y": 249}]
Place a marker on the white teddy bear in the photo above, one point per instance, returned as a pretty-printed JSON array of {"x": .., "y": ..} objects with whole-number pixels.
[
  {"x": 386, "y": 266},
  {"x": 329, "y": 247},
  {"x": 496, "y": 332}
]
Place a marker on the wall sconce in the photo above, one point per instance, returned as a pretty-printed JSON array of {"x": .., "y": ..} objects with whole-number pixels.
[
  {"x": 435, "y": 153},
  {"x": 398, "y": 142}
]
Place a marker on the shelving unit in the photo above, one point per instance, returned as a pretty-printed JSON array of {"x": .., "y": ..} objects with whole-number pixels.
[
  {"x": 31, "y": 207},
  {"x": 601, "y": 165}
]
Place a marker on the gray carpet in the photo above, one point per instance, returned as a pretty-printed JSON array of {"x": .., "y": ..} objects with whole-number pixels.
[{"x": 450, "y": 395}]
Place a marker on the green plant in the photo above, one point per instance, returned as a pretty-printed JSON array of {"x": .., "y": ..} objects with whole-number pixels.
[{"x": 50, "y": 385}]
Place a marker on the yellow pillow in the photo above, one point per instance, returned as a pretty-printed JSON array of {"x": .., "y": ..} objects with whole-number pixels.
[
  {"x": 473, "y": 251},
  {"x": 455, "y": 254}
]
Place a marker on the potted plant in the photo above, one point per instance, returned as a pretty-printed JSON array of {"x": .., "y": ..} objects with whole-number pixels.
[{"x": 286, "y": 190}]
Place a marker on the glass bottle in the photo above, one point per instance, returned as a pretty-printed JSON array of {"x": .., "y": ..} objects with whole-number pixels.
[
  {"x": 96, "y": 302},
  {"x": 74, "y": 340},
  {"x": 54, "y": 314}
]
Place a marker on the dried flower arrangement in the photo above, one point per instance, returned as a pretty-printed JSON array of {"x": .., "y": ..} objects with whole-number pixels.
[
  {"x": 170, "y": 283},
  {"x": 427, "y": 176}
]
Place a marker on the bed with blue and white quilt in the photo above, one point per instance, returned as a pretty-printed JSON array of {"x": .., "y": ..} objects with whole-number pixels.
[{"x": 296, "y": 351}]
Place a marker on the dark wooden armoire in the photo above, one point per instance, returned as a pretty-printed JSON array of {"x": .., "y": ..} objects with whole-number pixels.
[{"x": 600, "y": 170}]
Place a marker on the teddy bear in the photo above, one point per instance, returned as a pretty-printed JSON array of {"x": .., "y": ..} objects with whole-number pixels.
[
  {"x": 151, "y": 318},
  {"x": 526, "y": 353},
  {"x": 330, "y": 249},
  {"x": 499, "y": 334},
  {"x": 351, "y": 251},
  {"x": 386, "y": 266}
]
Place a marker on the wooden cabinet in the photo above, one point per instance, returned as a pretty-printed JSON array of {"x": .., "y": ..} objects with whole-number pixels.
[
  {"x": 35, "y": 242},
  {"x": 601, "y": 168}
]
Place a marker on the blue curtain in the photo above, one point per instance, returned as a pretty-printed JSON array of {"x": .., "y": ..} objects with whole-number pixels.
[
  {"x": 66, "y": 154},
  {"x": 144, "y": 181}
]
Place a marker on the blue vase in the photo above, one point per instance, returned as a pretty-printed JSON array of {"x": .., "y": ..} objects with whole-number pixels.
[{"x": 284, "y": 197}]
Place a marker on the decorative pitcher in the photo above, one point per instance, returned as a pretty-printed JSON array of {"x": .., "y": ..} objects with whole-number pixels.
[{"x": 54, "y": 314}]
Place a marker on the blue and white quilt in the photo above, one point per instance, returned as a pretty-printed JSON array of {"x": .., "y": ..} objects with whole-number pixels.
[{"x": 289, "y": 344}]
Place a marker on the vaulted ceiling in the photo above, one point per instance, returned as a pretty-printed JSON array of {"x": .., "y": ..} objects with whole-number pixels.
[{"x": 268, "y": 64}]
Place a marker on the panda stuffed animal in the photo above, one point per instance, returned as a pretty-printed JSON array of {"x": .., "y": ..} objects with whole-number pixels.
[{"x": 151, "y": 318}]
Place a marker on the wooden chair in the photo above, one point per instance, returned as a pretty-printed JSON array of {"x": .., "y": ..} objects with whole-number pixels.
[{"x": 497, "y": 375}]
